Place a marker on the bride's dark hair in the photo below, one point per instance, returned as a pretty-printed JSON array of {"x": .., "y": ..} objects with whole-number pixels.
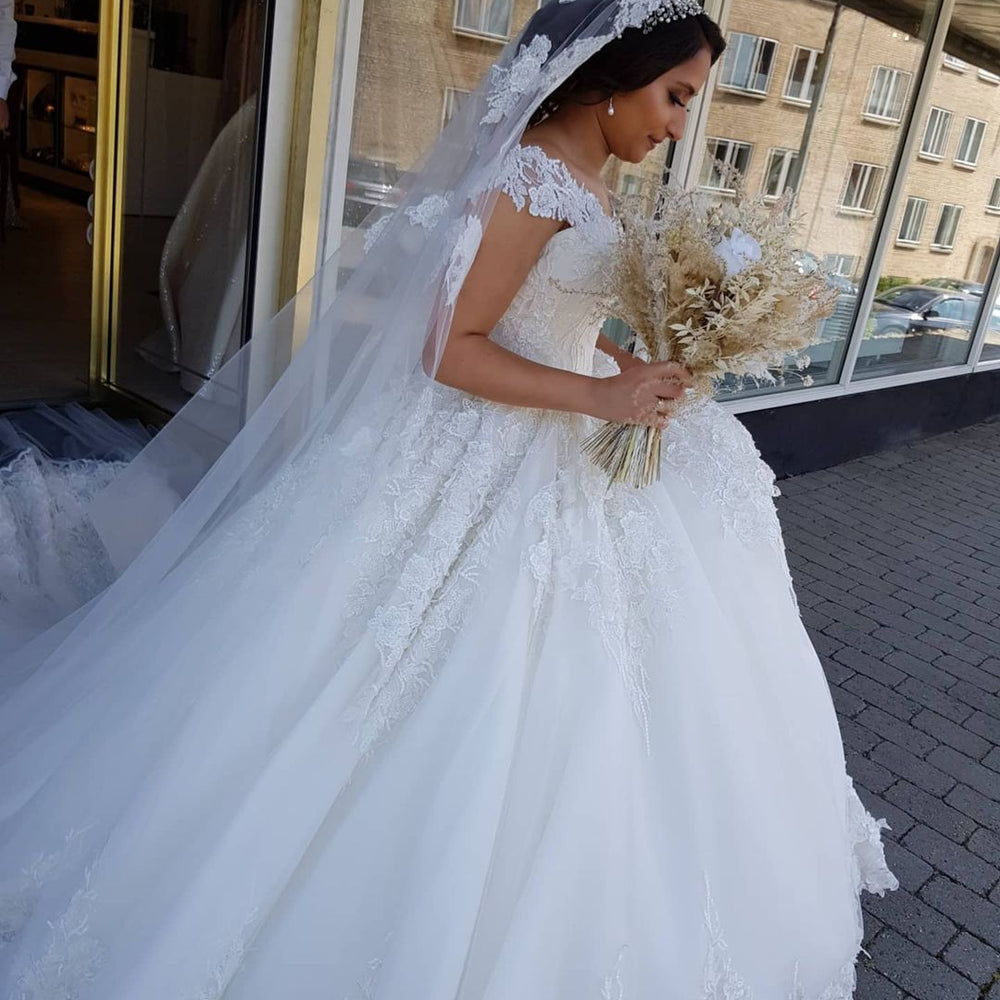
[{"x": 633, "y": 61}]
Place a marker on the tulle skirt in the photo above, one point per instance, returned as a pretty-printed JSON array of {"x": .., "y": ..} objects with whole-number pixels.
[{"x": 440, "y": 715}]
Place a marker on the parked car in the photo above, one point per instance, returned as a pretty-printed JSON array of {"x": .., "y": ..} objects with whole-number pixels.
[
  {"x": 917, "y": 309},
  {"x": 369, "y": 183},
  {"x": 955, "y": 285}
]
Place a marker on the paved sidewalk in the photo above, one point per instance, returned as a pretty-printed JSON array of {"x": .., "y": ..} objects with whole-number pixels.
[{"x": 896, "y": 559}]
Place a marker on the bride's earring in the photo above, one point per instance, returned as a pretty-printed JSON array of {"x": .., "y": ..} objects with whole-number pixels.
[{"x": 611, "y": 105}]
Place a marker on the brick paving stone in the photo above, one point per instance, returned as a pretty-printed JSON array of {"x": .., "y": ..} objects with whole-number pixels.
[
  {"x": 972, "y": 958},
  {"x": 980, "y": 808},
  {"x": 950, "y": 733},
  {"x": 922, "y": 774},
  {"x": 920, "y": 974},
  {"x": 896, "y": 559},
  {"x": 986, "y": 844},
  {"x": 936, "y": 700},
  {"x": 949, "y": 857},
  {"x": 965, "y": 907},
  {"x": 884, "y": 697},
  {"x": 982, "y": 779},
  {"x": 929, "y": 809}
]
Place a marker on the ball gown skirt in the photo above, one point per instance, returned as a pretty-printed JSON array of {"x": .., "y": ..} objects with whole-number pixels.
[{"x": 440, "y": 715}]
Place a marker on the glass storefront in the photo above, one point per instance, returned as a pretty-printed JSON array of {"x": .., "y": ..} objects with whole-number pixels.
[{"x": 881, "y": 124}]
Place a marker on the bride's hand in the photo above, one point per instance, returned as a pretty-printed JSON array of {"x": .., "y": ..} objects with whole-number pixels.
[{"x": 642, "y": 394}]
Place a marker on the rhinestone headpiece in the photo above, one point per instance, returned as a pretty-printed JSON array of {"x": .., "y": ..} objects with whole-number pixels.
[{"x": 670, "y": 10}]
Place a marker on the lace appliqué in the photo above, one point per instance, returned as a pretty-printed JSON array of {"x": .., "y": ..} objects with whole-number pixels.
[
  {"x": 509, "y": 83},
  {"x": 462, "y": 257},
  {"x": 427, "y": 213},
  {"x": 448, "y": 503},
  {"x": 74, "y": 956},
  {"x": 529, "y": 176},
  {"x": 710, "y": 451},
  {"x": 619, "y": 561}
]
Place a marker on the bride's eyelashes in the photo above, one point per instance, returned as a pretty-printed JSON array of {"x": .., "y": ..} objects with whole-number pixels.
[{"x": 674, "y": 99}]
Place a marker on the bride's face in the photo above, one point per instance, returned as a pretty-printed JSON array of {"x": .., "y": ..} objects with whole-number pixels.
[{"x": 643, "y": 118}]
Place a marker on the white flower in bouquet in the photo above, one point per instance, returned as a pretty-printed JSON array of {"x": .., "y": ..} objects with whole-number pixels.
[{"x": 737, "y": 251}]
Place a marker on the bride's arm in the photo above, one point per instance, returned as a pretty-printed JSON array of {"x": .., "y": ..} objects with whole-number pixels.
[{"x": 471, "y": 361}]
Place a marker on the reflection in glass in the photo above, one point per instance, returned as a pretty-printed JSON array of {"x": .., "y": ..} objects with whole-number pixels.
[
  {"x": 929, "y": 295},
  {"x": 830, "y": 136},
  {"x": 188, "y": 175}
]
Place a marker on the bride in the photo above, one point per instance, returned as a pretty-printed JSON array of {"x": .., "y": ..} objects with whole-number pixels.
[{"x": 403, "y": 701}]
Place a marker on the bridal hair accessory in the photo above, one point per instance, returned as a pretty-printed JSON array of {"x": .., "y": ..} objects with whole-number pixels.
[{"x": 716, "y": 288}]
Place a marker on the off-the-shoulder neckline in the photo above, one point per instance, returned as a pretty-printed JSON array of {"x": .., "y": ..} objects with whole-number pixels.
[{"x": 584, "y": 188}]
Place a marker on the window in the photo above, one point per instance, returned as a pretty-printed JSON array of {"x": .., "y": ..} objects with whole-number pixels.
[
  {"x": 779, "y": 169},
  {"x": 887, "y": 94},
  {"x": 993, "y": 205},
  {"x": 484, "y": 17},
  {"x": 454, "y": 98},
  {"x": 801, "y": 83},
  {"x": 725, "y": 158},
  {"x": 913, "y": 221},
  {"x": 936, "y": 133},
  {"x": 971, "y": 142},
  {"x": 944, "y": 235},
  {"x": 985, "y": 74},
  {"x": 861, "y": 191},
  {"x": 954, "y": 63},
  {"x": 748, "y": 63},
  {"x": 840, "y": 263}
]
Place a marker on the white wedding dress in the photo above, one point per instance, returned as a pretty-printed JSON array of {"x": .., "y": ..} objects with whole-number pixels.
[{"x": 466, "y": 724}]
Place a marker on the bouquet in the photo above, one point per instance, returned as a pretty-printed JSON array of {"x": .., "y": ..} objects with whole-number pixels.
[{"x": 717, "y": 288}]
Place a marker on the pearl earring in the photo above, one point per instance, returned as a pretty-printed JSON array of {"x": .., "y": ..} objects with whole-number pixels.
[{"x": 611, "y": 105}]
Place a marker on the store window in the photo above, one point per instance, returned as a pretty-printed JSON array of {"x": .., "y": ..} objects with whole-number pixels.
[
  {"x": 780, "y": 164},
  {"x": 913, "y": 222},
  {"x": 862, "y": 188},
  {"x": 887, "y": 94},
  {"x": 936, "y": 132},
  {"x": 800, "y": 87},
  {"x": 947, "y": 227},
  {"x": 748, "y": 63},
  {"x": 970, "y": 143},
  {"x": 727, "y": 159},
  {"x": 484, "y": 17}
]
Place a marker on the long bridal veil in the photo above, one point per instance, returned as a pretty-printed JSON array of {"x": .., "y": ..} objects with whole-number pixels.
[{"x": 61, "y": 694}]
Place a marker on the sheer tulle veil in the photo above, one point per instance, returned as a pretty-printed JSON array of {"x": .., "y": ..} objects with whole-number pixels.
[{"x": 361, "y": 335}]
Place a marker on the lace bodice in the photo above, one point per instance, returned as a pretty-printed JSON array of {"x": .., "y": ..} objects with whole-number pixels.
[{"x": 553, "y": 318}]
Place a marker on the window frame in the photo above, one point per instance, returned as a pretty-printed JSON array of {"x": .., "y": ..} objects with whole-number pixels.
[
  {"x": 897, "y": 75},
  {"x": 788, "y": 154},
  {"x": 842, "y": 205},
  {"x": 970, "y": 164},
  {"x": 448, "y": 92},
  {"x": 489, "y": 36},
  {"x": 814, "y": 57},
  {"x": 710, "y": 161},
  {"x": 993, "y": 201},
  {"x": 937, "y": 246},
  {"x": 840, "y": 258},
  {"x": 730, "y": 53},
  {"x": 930, "y": 154},
  {"x": 914, "y": 239}
]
